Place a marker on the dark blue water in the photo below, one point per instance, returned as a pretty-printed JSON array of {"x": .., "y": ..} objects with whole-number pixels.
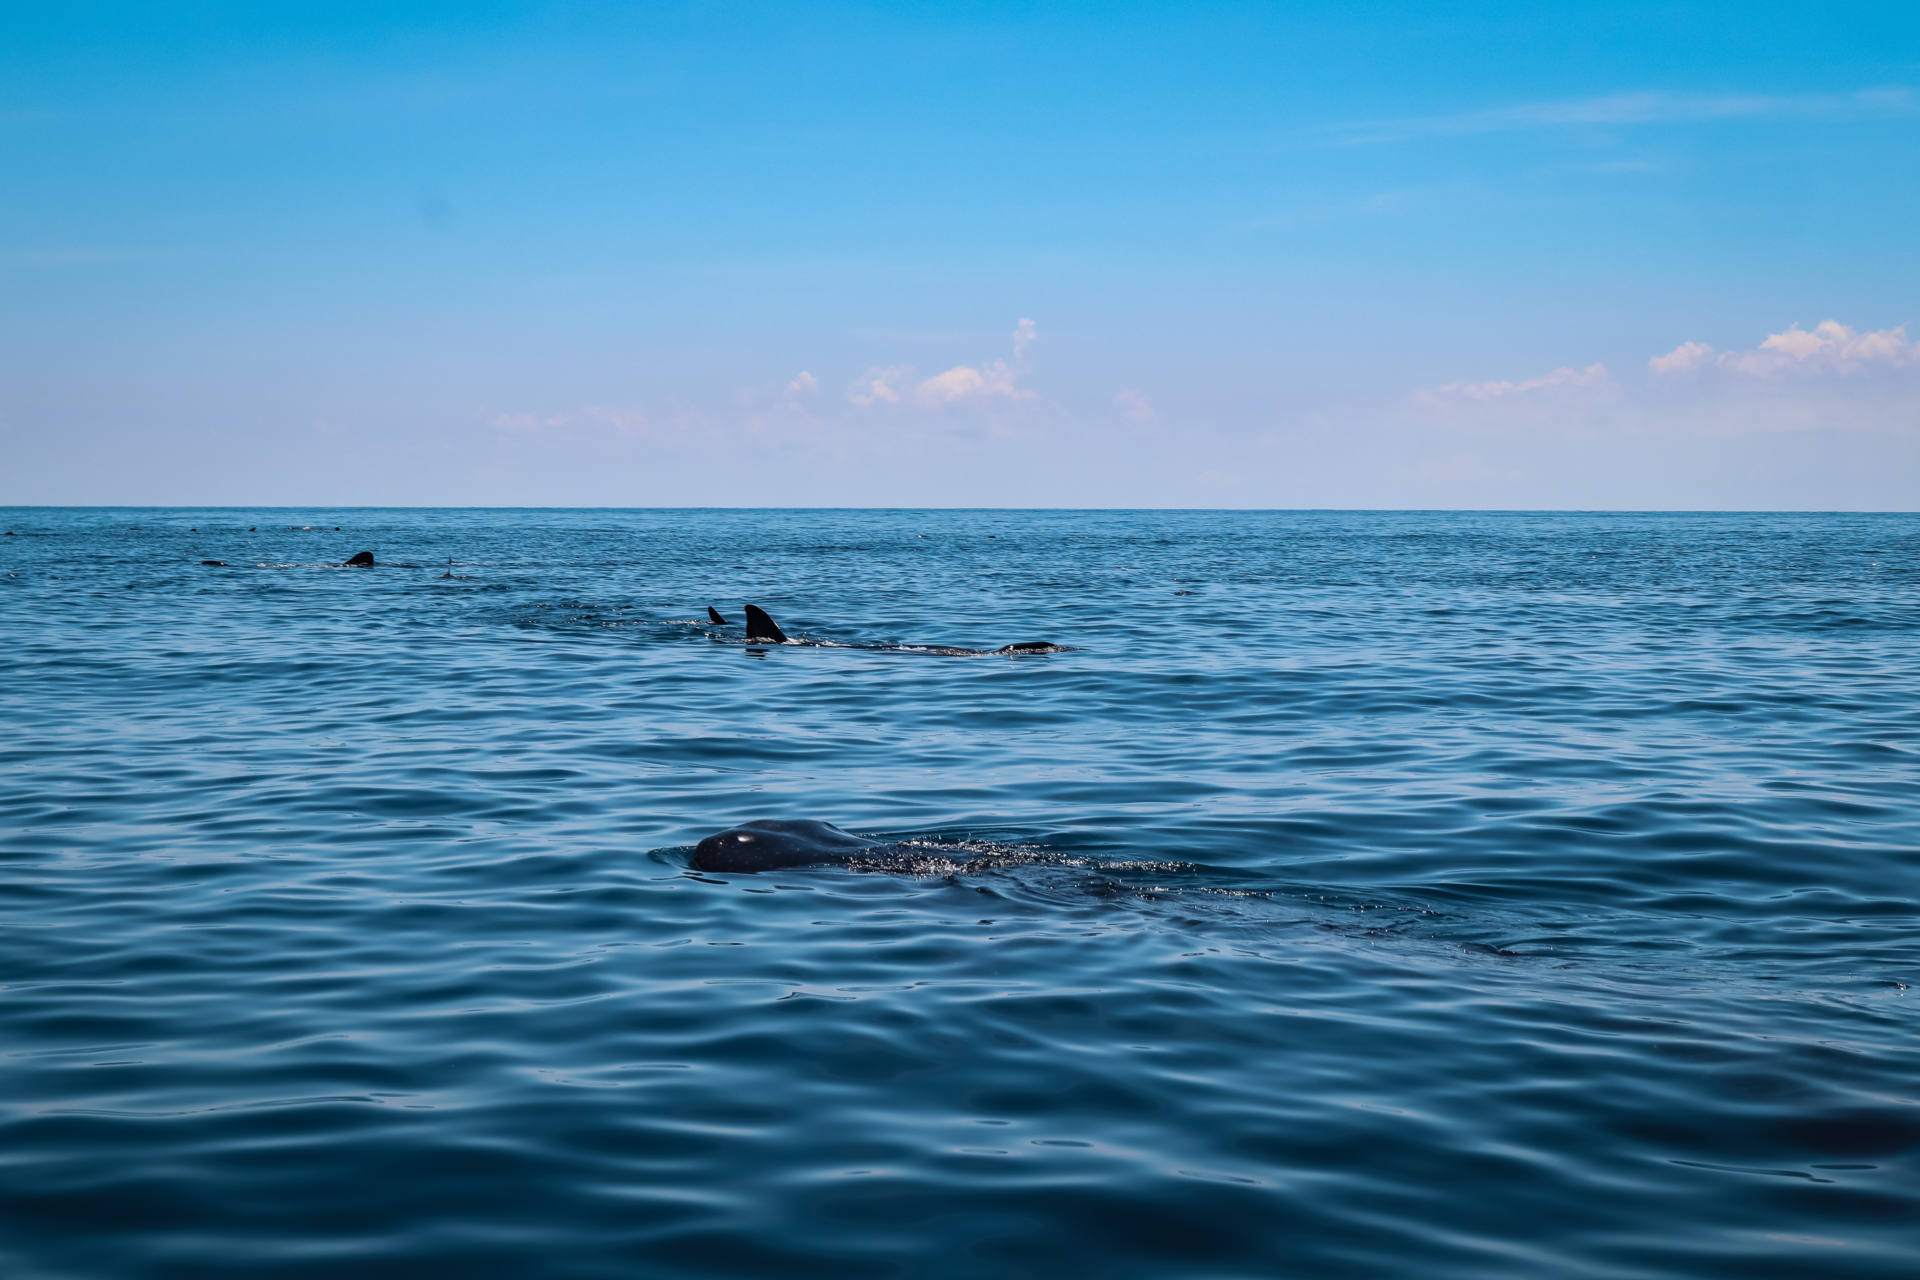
[{"x": 1368, "y": 894}]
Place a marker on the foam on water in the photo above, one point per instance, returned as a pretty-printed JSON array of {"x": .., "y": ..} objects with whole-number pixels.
[{"x": 1453, "y": 895}]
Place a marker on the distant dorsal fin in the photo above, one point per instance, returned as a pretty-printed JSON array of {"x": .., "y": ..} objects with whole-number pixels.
[
  {"x": 713, "y": 616},
  {"x": 761, "y": 627}
]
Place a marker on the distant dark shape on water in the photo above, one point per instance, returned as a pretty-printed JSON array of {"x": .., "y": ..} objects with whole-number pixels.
[
  {"x": 713, "y": 616},
  {"x": 764, "y": 630},
  {"x": 359, "y": 560},
  {"x": 761, "y": 627},
  {"x": 774, "y": 844},
  {"x": 215, "y": 564}
]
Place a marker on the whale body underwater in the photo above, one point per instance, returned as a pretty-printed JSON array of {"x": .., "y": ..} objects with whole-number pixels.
[
  {"x": 775, "y": 844},
  {"x": 780, "y": 844},
  {"x": 763, "y": 630}
]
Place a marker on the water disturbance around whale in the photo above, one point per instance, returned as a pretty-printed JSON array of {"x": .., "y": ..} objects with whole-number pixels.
[
  {"x": 761, "y": 629},
  {"x": 1446, "y": 895}
]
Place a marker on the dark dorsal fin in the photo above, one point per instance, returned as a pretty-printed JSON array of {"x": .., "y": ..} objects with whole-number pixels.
[
  {"x": 360, "y": 560},
  {"x": 713, "y": 616},
  {"x": 761, "y": 627}
]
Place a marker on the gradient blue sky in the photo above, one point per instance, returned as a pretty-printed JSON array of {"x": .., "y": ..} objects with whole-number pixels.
[{"x": 1360, "y": 254}]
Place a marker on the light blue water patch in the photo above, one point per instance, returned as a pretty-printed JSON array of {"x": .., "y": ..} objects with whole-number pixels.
[{"x": 1363, "y": 894}]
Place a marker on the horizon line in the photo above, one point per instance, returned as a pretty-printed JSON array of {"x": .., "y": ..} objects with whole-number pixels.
[{"x": 1756, "y": 511}]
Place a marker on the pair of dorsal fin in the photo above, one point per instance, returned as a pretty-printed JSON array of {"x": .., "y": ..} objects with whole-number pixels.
[{"x": 759, "y": 625}]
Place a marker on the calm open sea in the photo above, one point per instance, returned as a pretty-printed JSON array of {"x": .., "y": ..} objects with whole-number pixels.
[{"x": 1441, "y": 895}]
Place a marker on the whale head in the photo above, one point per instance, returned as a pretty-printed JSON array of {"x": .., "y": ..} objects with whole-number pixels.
[{"x": 771, "y": 845}]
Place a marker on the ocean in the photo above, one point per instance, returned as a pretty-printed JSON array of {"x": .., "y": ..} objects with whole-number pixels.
[{"x": 1360, "y": 894}]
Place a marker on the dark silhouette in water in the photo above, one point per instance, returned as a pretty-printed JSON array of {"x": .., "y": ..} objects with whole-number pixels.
[
  {"x": 764, "y": 630},
  {"x": 359, "y": 560},
  {"x": 449, "y": 572},
  {"x": 773, "y": 844},
  {"x": 777, "y": 844},
  {"x": 761, "y": 627},
  {"x": 713, "y": 615},
  {"x": 215, "y": 564}
]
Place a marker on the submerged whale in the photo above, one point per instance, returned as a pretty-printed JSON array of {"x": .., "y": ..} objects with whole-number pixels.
[
  {"x": 764, "y": 630},
  {"x": 774, "y": 843},
  {"x": 359, "y": 560}
]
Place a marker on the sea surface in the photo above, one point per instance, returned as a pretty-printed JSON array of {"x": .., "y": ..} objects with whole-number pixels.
[{"x": 1365, "y": 894}]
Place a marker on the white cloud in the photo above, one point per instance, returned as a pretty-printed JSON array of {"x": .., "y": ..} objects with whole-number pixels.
[
  {"x": 1560, "y": 382},
  {"x": 964, "y": 382},
  {"x": 879, "y": 386},
  {"x": 1684, "y": 358},
  {"x": 1134, "y": 405},
  {"x": 1828, "y": 348},
  {"x": 803, "y": 384},
  {"x": 1024, "y": 334}
]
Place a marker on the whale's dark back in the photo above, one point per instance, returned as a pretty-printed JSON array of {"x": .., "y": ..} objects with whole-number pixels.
[{"x": 772, "y": 844}]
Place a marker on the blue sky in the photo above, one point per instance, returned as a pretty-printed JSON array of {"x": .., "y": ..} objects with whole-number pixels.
[{"x": 1428, "y": 255}]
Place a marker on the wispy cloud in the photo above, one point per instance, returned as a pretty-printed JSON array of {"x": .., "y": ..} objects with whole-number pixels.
[
  {"x": 1134, "y": 405},
  {"x": 527, "y": 421},
  {"x": 879, "y": 386},
  {"x": 1644, "y": 108},
  {"x": 86, "y": 257},
  {"x": 1559, "y": 383},
  {"x": 627, "y": 421}
]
